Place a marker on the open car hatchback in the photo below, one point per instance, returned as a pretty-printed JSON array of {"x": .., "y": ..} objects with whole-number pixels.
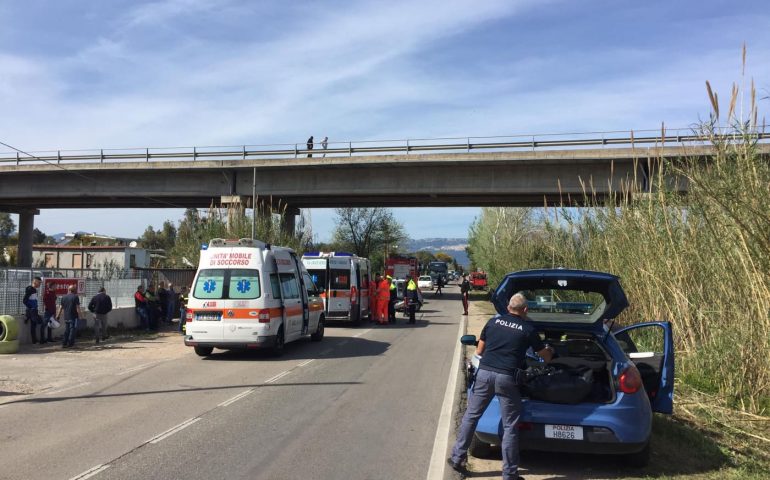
[{"x": 627, "y": 373}]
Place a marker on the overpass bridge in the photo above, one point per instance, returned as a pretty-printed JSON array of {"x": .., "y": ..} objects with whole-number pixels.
[{"x": 472, "y": 171}]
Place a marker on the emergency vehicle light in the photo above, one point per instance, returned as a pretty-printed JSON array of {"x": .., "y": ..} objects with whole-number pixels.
[{"x": 343, "y": 254}]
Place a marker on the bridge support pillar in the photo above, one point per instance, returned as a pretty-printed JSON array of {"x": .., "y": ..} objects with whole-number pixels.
[
  {"x": 26, "y": 232},
  {"x": 289, "y": 220}
]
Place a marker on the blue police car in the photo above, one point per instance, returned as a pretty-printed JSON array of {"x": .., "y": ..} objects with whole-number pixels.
[{"x": 599, "y": 392}]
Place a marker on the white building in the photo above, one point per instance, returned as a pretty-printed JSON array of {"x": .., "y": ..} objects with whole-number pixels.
[{"x": 89, "y": 256}]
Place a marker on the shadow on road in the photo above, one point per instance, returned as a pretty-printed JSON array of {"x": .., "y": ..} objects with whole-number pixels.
[
  {"x": 340, "y": 347},
  {"x": 677, "y": 449},
  {"x": 239, "y": 387}
]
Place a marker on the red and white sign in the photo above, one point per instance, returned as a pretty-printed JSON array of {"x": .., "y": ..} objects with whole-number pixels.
[{"x": 61, "y": 285}]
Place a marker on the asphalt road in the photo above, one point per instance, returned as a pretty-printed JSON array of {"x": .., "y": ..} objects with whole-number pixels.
[{"x": 362, "y": 404}]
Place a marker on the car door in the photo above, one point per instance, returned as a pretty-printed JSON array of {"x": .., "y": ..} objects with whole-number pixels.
[
  {"x": 651, "y": 347},
  {"x": 292, "y": 305}
]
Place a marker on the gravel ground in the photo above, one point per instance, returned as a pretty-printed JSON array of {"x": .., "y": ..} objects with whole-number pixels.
[{"x": 44, "y": 368}]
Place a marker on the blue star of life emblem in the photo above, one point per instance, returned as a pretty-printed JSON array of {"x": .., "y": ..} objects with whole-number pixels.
[
  {"x": 209, "y": 286},
  {"x": 243, "y": 285}
]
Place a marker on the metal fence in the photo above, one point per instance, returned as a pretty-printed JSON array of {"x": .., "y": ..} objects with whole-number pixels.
[
  {"x": 545, "y": 141},
  {"x": 120, "y": 285}
]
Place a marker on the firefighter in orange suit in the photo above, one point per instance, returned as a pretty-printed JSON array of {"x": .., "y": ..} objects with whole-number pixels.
[
  {"x": 383, "y": 297},
  {"x": 374, "y": 309}
]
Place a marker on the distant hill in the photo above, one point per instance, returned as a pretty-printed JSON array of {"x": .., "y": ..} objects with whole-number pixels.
[{"x": 451, "y": 246}]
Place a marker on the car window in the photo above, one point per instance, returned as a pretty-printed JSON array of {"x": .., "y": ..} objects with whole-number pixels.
[
  {"x": 289, "y": 286},
  {"x": 210, "y": 284},
  {"x": 340, "y": 279},
  {"x": 555, "y": 305},
  {"x": 244, "y": 284},
  {"x": 275, "y": 285},
  {"x": 310, "y": 286}
]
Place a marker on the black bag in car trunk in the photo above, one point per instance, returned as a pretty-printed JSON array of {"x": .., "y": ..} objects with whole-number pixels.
[{"x": 559, "y": 385}]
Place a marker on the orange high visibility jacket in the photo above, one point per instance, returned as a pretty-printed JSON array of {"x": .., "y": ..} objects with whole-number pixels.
[{"x": 383, "y": 290}]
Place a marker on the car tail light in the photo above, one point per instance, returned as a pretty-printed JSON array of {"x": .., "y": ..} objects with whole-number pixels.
[
  {"x": 264, "y": 316},
  {"x": 526, "y": 426},
  {"x": 353, "y": 296},
  {"x": 189, "y": 315},
  {"x": 630, "y": 381}
]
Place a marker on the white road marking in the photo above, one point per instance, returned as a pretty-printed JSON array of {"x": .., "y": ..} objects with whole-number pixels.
[
  {"x": 173, "y": 430},
  {"x": 90, "y": 472},
  {"x": 306, "y": 362},
  {"x": 359, "y": 334},
  {"x": 278, "y": 377},
  {"x": 137, "y": 368},
  {"x": 437, "y": 462},
  {"x": 60, "y": 390},
  {"x": 235, "y": 398}
]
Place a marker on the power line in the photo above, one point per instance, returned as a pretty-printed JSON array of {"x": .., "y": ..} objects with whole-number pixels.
[{"x": 86, "y": 177}]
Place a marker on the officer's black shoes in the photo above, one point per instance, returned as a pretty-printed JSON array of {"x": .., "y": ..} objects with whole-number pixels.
[{"x": 457, "y": 467}]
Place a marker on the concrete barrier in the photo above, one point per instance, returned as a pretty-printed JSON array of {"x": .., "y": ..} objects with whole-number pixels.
[{"x": 117, "y": 318}]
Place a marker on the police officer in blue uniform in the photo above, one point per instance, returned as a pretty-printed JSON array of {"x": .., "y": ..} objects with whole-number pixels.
[{"x": 502, "y": 345}]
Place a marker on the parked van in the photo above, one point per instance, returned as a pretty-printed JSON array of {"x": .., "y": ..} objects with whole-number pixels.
[
  {"x": 344, "y": 278},
  {"x": 248, "y": 294}
]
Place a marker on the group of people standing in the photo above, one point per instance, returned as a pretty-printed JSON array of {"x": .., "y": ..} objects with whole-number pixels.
[
  {"x": 311, "y": 143},
  {"x": 384, "y": 296},
  {"x": 69, "y": 308},
  {"x": 159, "y": 306}
]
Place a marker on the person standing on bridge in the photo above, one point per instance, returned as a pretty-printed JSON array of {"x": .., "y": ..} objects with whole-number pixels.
[
  {"x": 502, "y": 345},
  {"x": 324, "y": 144},
  {"x": 309, "y": 146}
]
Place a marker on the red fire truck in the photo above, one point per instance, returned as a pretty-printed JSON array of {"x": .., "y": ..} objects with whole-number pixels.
[
  {"x": 399, "y": 266},
  {"x": 478, "y": 280}
]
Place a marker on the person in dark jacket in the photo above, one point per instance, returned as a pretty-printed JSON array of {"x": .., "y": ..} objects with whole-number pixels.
[
  {"x": 465, "y": 288},
  {"x": 32, "y": 316},
  {"x": 502, "y": 345},
  {"x": 49, "y": 308},
  {"x": 411, "y": 297},
  {"x": 309, "y": 146},
  {"x": 393, "y": 300},
  {"x": 100, "y": 306}
]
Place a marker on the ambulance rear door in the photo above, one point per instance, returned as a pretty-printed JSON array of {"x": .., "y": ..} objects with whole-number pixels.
[
  {"x": 339, "y": 287},
  {"x": 290, "y": 291},
  {"x": 205, "y": 304}
]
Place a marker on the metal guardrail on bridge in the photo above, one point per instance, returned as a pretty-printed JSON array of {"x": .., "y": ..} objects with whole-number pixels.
[{"x": 344, "y": 149}]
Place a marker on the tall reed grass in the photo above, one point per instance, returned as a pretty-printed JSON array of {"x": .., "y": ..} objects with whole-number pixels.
[{"x": 701, "y": 261}]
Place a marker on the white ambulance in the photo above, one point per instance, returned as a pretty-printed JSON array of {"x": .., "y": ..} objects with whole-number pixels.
[
  {"x": 345, "y": 280},
  {"x": 248, "y": 294}
]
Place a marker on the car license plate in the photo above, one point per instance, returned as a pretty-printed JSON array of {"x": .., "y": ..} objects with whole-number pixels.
[
  {"x": 564, "y": 432},
  {"x": 208, "y": 317}
]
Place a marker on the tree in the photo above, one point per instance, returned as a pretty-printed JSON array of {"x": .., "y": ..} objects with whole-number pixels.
[
  {"x": 7, "y": 227},
  {"x": 367, "y": 231},
  {"x": 443, "y": 257}
]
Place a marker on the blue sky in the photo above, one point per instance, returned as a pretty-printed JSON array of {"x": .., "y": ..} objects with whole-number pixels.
[{"x": 128, "y": 73}]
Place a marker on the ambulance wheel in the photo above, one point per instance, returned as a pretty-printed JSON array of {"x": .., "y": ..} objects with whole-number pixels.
[
  {"x": 319, "y": 333},
  {"x": 9, "y": 346},
  {"x": 9, "y": 328},
  {"x": 479, "y": 449},
  {"x": 203, "y": 351},
  {"x": 279, "y": 343}
]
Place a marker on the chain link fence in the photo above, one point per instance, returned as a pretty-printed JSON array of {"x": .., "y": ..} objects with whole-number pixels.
[{"x": 120, "y": 284}]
